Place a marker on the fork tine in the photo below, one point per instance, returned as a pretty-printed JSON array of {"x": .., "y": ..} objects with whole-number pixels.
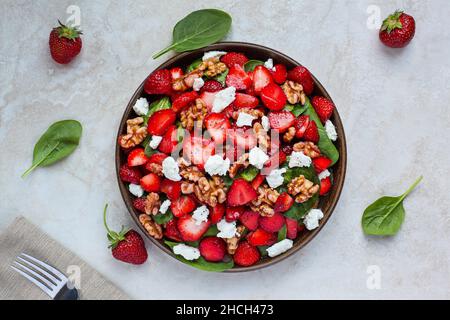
[
  {"x": 35, "y": 275},
  {"x": 35, "y": 281},
  {"x": 55, "y": 271},
  {"x": 45, "y": 273}
]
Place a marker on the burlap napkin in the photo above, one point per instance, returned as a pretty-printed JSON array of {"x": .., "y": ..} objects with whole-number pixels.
[{"x": 22, "y": 236}]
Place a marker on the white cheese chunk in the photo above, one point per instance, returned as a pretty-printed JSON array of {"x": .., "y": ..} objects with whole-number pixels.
[
  {"x": 226, "y": 229},
  {"x": 155, "y": 141},
  {"x": 198, "y": 84},
  {"x": 170, "y": 169},
  {"x": 244, "y": 119},
  {"x": 265, "y": 123},
  {"x": 213, "y": 54},
  {"x": 187, "y": 252},
  {"x": 269, "y": 64},
  {"x": 216, "y": 165},
  {"x": 311, "y": 220},
  {"x": 257, "y": 157},
  {"x": 279, "y": 247},
  {"x": 299, "y": 159},
  {"x": 331, "y": 130},
  {"x": 275, "y": 177},
  {"x": 141, "y": 107},
  {"x": 136, "y": 190},
  {"x": 200, "y": 215},
  {"x": 164, "y": 206},
  {"x": 324, "y": 174},
  {"x": 223, "y": 99}
]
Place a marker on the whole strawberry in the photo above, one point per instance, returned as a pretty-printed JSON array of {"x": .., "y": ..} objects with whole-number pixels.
[
  {"x": 65, "y": 43},
  {"x": 397, "y": 30},
  {"x": 126, "y": 246}
]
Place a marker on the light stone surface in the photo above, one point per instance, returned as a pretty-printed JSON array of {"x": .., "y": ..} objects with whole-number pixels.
[{"x": 394, "y": 104}]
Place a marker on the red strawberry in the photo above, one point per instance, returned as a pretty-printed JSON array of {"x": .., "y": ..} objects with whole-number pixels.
[
  {"x": 137, "y": 157},
  {"x": 291, "y": 228},
  {"x": 281, "y": 120},
  {"x": 397, "y": 30},
  {"x": 182, "y": 206},
  {"x": 287, "y": 149},
  {"x": 243, "y": 100},
  {"x": 174, "y": 95},
  {"x": 238, "y": 78},
  {"x": 198, "y": 150},
  {"x": 211, "y": 86},
  {"x": 184, "y": 100},
  {"x": 176, "y": 73},
  {"x": 151, "y": 182},
  {"x": 273, "y": 97},
  {"x": 171, "y": 231},
  {"x": 324, "y": 107},
  {"x": 217, "y": 125},
  {"x": 275, "y": 160},
  {"x": 240, "y": 193},
  {"x": 302, "y": 75},
  {"x": 301, "y": 227},
  {"x": 321, "y": 163},
  {"x": 65, "y": 43},
  {"x": 260, "y": 237},
  {"x": 311, "y": 133},
  {"x": 160, "y": 121},
  {"x": 273, "y": 223},
  {"x": 157, "y": 158},
  {"x": 212, "y": 249},
  {"x": 261, "y": 78},
  {"x": 243, "y": 138},
  {"x": 301, "y": 124},
  {"x": 233, "y": 58},
  {"x": 208, "y": 98},
  {"x": 216, "y": 213},
  {"x": 190, "y": 230},
  {"x": 159, "y": 82},
  {"x": 139, "y": 204},
  {"x": 233, "y": 213},
  {"x": 246, "y": 255},
  {"x": 228, "y": 111},
  {"x": 171, "y": 188},
  {"x": 250, "y": 219},
  {"x": 325, "y": 186},
  {"x": 126, "y": 246},
  {"x": 279, "y": 74},
  {"x": 284, "y": 202},
  {"x": 129, "y": 174},
  {"x": 257, "y": 181},
  {"x": 169, "y": 141}
]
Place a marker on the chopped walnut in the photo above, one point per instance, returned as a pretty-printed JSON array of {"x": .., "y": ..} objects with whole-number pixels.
[
  {"x": 154, "y": 168},
  {"x": 261, "y": 135},
  {"x": 232, "y": 243},
  {"x": 289, "y": 135},
  {"x": 135, "y": 133},
  {"x": 257, "y": 113},
  {"x": 152, "y": 203},
  {"x": 265, "y": 201},
  {"x": 187, "y": 81},
  {"x": 212, "y": 67},
  {"x": 210, "y": 191},
  {"x": 302, "y": 189},
  {"x": 151, "y": 226},
  {"x": 193, "y": 114},
  {"x": 187, "y": 187},
  {"x": 242, "y": 162},
  {"x": 294, "y": 92},
  {"x": 308, "y": 148},
  {"x": 191, "y": 173}
]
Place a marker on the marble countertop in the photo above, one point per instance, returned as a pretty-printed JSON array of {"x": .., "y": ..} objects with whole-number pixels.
[{"x": 394, "y": 105}]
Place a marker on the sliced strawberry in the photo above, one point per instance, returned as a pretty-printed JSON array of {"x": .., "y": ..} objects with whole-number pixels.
[
  {"x": 250, "y": 219},
  {"x": 273, "y": 97},
  {"x": 208, "y": 98},
  {"x": 260, "y": 237},
  {"x": 243, "y": 100},
  {"x": 198, "y": 150},
  {"x": 157, "y": 158},
  {"x": 233, "y": 58},
  {"x": 216, "y": 213},
  {"x": 291, "y": 228},
  {"x": 184, "y": 100},
  {"x": 302, "y": 75},
  {"x": 325, "y": 186},
  {"x": 228, "y": 111},
  {"x": 244, "y": 138},
  {"x": 273, "y": 223},
  {"x": 171, "y": 231},
  {"x": 321, "y": 163},
  {"x": 139, "y": 204},
  {"x": 129, "y": 174},
  {"x": 246, "y": 254},
  {"x": 160, "y": 121},
  {"x": 312, "y": 133},
  {"x": 151, "y": 182},
  {"x": 301, "y": 124},
  {"x": 183, "y": 206},
  {"x": 169, "y": 141},
  {"x": 189, "y": 228},
  {"x": 257, "y": 181},
  {"x": 238, "y": 78},
  {"x": 284, "y": 202},
  {"x": 176, "y": 73},
  {"x": 137, "y": 157},
  {"x": 174, "y": 95},
  {"x": 275, "y": 160},
  {"x": 159, "y": 82},
  {"x": 171, "y": 188},
  {"x": 211, "y": 86},
  {"x": 233, "y": 213},
  {"x": 324, "y": 108},
  {"x": 261, "y": 78},
  {"x": 217, "y": 125},
  {"x": 213, "y": 249},
  {"x": 240, "y": 193},
  {"x": 279, "y": 74},
  {"x": 281, "y": 120}
]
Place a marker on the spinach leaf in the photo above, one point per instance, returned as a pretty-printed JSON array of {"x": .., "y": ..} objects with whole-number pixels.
[
  {"x": 326, "y": 146},
  {"x": 58, "y": 142},
  {"x": 222, "y": 77},
  {"x": 385, "y": 216},
  {"x": 250, "y": 65},
  {"x": 157, "y": 105},
  {"x": 249, "y": 173},
  {"x": 194, "y": 65},
  {"x": 296, "y": 109},
  {"x": 212, "y": 231},
  {"x": 148, "y": 151},
  {"x": 198, "y": 29},
  {"x": 263, "y": 250},
  {"x": 282, "y": 233},
  {"x": 163, "y": 218},
  {"x": 308, "y": 172}
]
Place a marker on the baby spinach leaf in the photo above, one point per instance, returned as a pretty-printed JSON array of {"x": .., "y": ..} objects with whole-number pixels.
[
  {"x": 222, "y": 77},
  {"x": 157, "y": 105},
  {"x": 198, "y": 29},
  {"x": 148, "y": 151},
  {"x": 385, "y": 216},
  {"x": 250, "y": 65},
  {"x": 308, "y": 172},
  {"x": 212, "y": 231},
  {"x": 282, "y": 233},
  {"x": 163, "y": 218},
  {"x": 263, "y": 250},
  {"x": 58, "y": 142},
  {"x": 299, "y": 210},
  {"x": 296, "y": 109},
  {"x": 249, "y": 173},
  {"x": 194, "y": 65}
]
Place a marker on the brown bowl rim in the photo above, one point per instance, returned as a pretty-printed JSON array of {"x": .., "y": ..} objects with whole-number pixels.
[{"x": 338, "y": 183}]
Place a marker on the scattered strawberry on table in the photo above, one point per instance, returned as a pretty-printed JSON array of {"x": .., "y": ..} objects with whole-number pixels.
[
  {"x": 65, "y": 43},
  {"x": 227, "y": 158},
  {"x": 397, "y": 30}
]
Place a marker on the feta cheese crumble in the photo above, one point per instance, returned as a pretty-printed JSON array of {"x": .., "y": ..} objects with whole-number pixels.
[
  {"x": 187, "y": 252},
  {"x": 213, "y": 54},
  {"x": 245, "y": 119},
  {"x": 331, "y": 130},
  {"x": 164, "y": 206},
  {"x": 198, "y": 84},
  {"x": 223, "y": 98},
  {"x": 324, "y": 174},
  {"x": 265, "y": 123},
  {"x": 257, "y": 157},
  {"x": 279, "y": 247},
  {"x": 216, "y": 165},
  {"x": 136, "y": 190},
  {"x": 170, "y": 169},
  {"x": 299, "y": 159},
  {"x": 226, "y": 229},
  {"x": 275, "y": 177},
  {"x": 311, "y": 220},
  {"x": 155, "y": 141},
  {"x": 269, "y": 64},
  {"x": 141, "y": 107},
  {"x": 200, "y": 215}
]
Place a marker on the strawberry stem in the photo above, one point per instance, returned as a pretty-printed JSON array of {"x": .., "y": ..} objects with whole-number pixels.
[{"x": 113, "y": 237}]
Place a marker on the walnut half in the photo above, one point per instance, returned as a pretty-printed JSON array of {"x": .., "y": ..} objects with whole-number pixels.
[
  {"x": 151, "y": 226},
  {"x": 135, "y": 133},
  {"x": 302, "y": 189}
]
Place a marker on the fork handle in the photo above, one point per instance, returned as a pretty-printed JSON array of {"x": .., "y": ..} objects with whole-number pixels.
[{"x": 67, "y": 294}]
